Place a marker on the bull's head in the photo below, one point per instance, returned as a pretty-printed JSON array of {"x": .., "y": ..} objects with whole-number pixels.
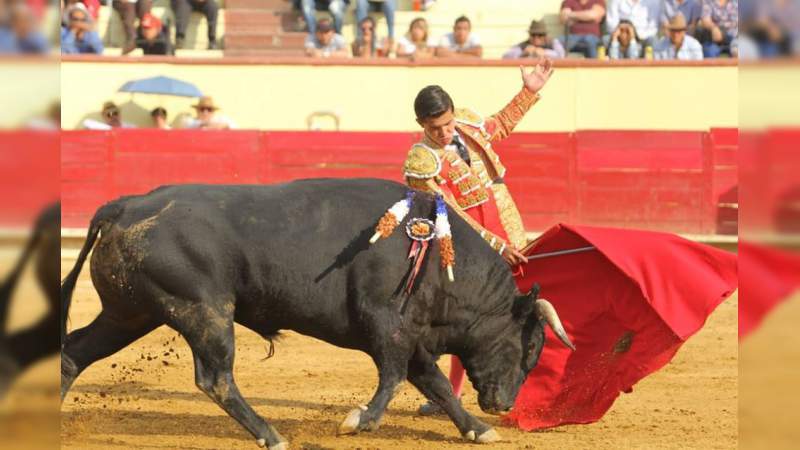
[{"x": 499, "y": 360}]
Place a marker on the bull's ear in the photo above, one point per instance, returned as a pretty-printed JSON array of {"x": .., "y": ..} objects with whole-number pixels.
[{"x": 524, "y": 305}]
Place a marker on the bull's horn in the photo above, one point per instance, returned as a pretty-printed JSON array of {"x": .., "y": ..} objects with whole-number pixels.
[{"x": 546, "y": 311}]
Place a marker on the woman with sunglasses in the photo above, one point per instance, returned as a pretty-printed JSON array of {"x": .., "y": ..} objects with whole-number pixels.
[{"x": 365, "y": 45}]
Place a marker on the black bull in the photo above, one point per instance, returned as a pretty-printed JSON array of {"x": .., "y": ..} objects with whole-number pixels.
[{"x": 296, "y": 256}]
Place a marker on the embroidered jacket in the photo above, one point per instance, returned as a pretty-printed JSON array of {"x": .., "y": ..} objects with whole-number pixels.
[{"x": 470, "y": 184}]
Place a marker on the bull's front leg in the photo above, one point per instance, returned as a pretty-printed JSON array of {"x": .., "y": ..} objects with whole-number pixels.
[
  {"x": 425, "y": 375},
  {"x": 391, "y": 371}
]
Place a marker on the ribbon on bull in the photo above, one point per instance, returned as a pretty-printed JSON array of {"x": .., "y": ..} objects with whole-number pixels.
[{"x": 421, "y": 231}]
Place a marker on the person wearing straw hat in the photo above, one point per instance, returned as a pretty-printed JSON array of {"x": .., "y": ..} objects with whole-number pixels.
[
  {"x": 678, "y": 44},
  {"x": 207, "y": 118},
  {"x": 538, "y": 44}
]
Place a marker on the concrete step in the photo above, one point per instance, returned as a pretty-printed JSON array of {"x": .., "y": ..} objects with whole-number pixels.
[
  {"x": 235, "y": 18},
  {"x": 264, "y": 53},
  {"x": 256, "y": 40},
  {"x": 274, "y": 5}
]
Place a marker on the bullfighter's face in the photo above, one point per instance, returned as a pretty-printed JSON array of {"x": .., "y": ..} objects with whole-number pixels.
[{"x": 440, "y": 129}]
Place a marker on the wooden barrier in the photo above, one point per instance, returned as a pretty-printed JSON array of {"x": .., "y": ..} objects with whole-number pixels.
[{"x": 657, "y": 180}]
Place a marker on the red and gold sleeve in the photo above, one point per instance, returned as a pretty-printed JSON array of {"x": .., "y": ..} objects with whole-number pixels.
[{"x": 500, "y": 125}]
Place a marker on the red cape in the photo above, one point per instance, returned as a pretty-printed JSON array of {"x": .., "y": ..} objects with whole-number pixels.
[
  {"x": 627, "y": 306},
  {"x": 769, "y": 277}
]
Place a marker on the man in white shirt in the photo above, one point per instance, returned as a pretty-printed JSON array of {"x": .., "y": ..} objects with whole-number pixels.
[
  {"x": 461, "y": 42},
  {"x": 112, "y": 118},
  {"x": 677, "y": 44},
  {"x": 643, "y": 14}
]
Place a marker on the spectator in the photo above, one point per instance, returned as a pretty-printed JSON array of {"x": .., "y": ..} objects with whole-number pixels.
[
  {"x": 538, "y": 45},
  {"x": 112, "y": 118},
  {"x": 719, "y": 25},
  {"x": 154, "y": 36},
  {"x": 183, "y": 10},
  {"x": 159, "y": 117},
  {"x": 128, "y": 11},
  {"x": 691, "y": 10},
  {"x": 643, "y": 14},
  {"x": 78, "y": 36},
  {"x": 461, "y": 42},
  {"x": 91, "y": 6},
  {"x": 207, "y": 118},
  {"x": 25, "y": 35},
  {"x": 678, "y": 45},
  {"x": 624, "y": 42},
  {"x": 324, "y": 43},
  {"x": 583, "y": 18},
  {"x": 388, "y": 7},
  {"x": 769, "y": 28},
  {"x": 335, "y": 7},
  {"x": 365, "y": 45},
  {"x": 416, "y": 44}
]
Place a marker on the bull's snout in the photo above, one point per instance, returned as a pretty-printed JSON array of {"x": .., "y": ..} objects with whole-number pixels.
[{"x": 492, "y": 403}]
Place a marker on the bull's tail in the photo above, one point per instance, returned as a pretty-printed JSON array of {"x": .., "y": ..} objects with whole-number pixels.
[
  {"x": 10, "y": 283},
  {"x": 107, "y": 213}
]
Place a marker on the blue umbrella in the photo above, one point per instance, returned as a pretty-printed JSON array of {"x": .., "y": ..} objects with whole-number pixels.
[{"x": 162, "y": 86}]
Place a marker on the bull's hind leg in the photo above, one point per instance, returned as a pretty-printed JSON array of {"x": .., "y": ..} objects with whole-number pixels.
[
  {"x": 425, "y": 375},
  {"x": 210, "y": 336},
  {"x": 103, "y": 337}
]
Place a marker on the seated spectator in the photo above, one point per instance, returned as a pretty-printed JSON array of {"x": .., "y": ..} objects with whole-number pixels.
[
  {"x": 538, "y": 45},
  {"x": 335, "y": 7},
  {"x": 207, "y": 117},
  {"x": 112, "y": 118},
  {"x": 365, "y": 45},
  {"x": 643, "y": 14},
  {"x": 78, "y": 36},
  {"x": 154, "y": 36},
  {"x": 91, "y": 6},
  {"x": 324, "y": 43},
  {"x": 129, "y": 11},
  {"x": 183, "y": 10},
  {"x": 159, "y": 118},
  {"x": 678, "y": 45},
  {"x": 719, "y": 25},
  {"x": 416, "y": 44},
  {"x": 24, "y": 34},
  {"x": 387, "y": 6},
  {"x": 769, "y": 29},
  {"x": 461, "y": 42},
  {"x": 583, "y": 18},
  {"x": 624, "y": 42},
  {"x": 691, "y": 10}
]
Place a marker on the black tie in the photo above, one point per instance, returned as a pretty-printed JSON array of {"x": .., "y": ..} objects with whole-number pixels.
[{"x": 461, "y": 148}]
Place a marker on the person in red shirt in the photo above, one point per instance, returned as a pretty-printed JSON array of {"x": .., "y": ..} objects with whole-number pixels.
[{"x": 582, "y": 19}]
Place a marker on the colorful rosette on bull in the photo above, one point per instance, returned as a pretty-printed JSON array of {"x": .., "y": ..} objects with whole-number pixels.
[
  {"x": 392, "y": 218},
  {"x": 446, "y": 251}
]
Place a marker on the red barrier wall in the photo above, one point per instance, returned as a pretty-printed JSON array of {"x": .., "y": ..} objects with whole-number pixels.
[
  {"x": 654, "y": 180},
  {"x": 28, "y": 175}
]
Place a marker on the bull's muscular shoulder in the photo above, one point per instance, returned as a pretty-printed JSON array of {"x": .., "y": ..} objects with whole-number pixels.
[
  {"x": 469, "y": 117},
  {"x": 422, "y": 162}
]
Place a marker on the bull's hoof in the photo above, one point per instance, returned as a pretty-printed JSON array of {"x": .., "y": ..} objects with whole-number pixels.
[
  {"x": 283, "y": 445},
  {"x": 485, "y": 438},
  {"x": 351, "y": 422},
  {"x": 488, "y": 436}
]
